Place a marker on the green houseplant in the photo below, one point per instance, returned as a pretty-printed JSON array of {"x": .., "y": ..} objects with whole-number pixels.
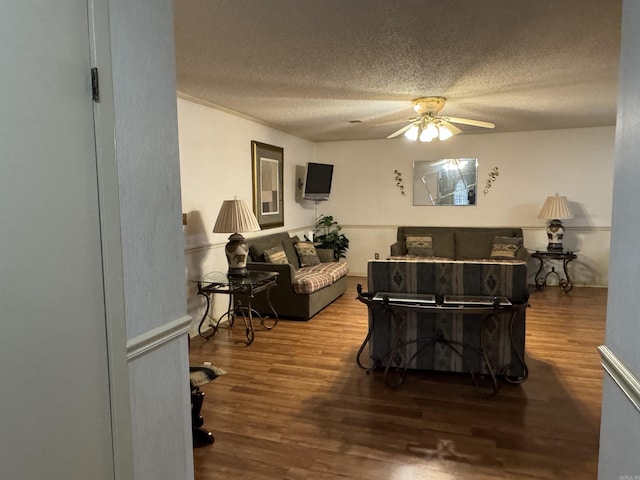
[{"x": 326, "y": 234}]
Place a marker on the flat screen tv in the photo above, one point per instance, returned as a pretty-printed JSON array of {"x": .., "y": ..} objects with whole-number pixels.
[{"x": 317, "y": 185}]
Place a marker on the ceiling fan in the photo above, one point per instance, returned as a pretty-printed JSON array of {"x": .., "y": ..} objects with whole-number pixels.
[{"x": 429, "y": 124}]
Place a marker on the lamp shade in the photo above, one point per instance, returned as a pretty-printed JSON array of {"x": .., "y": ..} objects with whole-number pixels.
[
  {"x": 555, "y": 207},
  {"x": 235, "y": 217}
]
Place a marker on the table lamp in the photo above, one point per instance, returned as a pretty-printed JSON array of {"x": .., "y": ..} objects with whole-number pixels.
[
  {"x": 555, "y": 208},
  {"x": 235, "y": 217}
]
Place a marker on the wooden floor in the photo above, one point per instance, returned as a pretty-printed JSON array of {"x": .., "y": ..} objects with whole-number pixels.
[{"x": 294, "y": 405}]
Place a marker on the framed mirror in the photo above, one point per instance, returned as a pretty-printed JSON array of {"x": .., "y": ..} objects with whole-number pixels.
[{"x": 451, "y": 181}]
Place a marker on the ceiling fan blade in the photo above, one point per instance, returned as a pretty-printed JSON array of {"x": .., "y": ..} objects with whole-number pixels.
[
  {"x": 397, "y": 133},
  {"x": 466, "y": 121},
  {"x": 454, "y": 130}
]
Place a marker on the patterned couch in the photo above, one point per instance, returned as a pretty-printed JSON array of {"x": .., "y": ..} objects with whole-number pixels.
[
  {"x": 301, "y": 291},
  {"x": 503, "y": 335}
]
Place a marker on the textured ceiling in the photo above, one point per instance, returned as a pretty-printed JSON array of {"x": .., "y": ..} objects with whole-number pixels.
[{"x": 310, "y": 67}]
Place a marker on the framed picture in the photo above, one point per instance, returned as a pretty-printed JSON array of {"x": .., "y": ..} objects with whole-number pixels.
[{"x": 268, "y": 202}]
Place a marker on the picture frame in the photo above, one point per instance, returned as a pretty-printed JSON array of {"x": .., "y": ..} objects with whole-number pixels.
[{"x": 267, "y": 177}]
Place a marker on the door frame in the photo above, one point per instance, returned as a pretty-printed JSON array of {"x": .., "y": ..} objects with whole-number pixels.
[{"x": 110, "y": 237}]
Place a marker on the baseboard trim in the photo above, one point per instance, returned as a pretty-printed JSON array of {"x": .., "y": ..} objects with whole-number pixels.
[
  {"x": 620, "y": 374},
  {"x": 152, "y": 339}
]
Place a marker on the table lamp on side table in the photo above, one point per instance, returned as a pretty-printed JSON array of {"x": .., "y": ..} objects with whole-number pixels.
[
  {"x": 235, "y": 217},
  {"x": 555, "y": 208}
]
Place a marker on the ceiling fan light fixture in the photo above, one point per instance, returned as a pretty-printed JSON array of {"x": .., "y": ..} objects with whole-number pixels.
[
  {"x": 429, "y": 133},
  {"x": 445, "y": 133},
  {"x": 425, "y": 136},
  {"x": 412, "y": 133},
  {"x": 431, "y": 105},
  {"x": 429, "y": 124}
]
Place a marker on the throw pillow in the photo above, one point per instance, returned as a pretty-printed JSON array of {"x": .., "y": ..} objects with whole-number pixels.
[
  {"x": 419, "y": 246},
  {"x": 275, "y": 255},
  {"x": 505, "y": 247},
  {"x": 307, "y": 254},
  {"x": 200, "y": 375}
]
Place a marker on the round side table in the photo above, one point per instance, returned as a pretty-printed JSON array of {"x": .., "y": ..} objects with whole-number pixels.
[{"x": 543, "y": 273}]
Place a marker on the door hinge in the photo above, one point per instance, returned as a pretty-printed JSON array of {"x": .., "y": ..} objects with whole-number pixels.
[{"x": 95, "y": 85}]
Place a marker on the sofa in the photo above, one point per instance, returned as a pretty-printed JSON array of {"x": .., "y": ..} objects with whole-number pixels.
[
  {"x": 460, "y": 263},
  {"x": 305, "y": 284},
  {"x": 457, "y": 243}
]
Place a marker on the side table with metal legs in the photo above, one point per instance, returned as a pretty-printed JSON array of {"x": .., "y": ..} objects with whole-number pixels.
[
  {"x": 541, "y": 276},
  {"x": 241, "y": 291}
]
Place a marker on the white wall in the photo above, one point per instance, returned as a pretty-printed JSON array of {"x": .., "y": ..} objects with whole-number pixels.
[
  {"x": 532, "y": 165},
  {"x": 215, "y": 160},
  {"x": 620, "y": 422}
]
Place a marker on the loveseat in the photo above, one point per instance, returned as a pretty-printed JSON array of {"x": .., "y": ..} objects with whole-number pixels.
[
  {"x": 460, "y": 263},
  {"x": 305, "y": 285}
]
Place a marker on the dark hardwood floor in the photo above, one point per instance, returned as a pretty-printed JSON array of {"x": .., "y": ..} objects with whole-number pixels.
[{"x": 295, "y": 405}]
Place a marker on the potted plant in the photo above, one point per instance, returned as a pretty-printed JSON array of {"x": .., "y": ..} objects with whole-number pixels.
[{"x": 326, "y": 234}]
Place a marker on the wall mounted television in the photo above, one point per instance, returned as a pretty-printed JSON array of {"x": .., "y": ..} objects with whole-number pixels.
[{"x": 317, "y": 185}]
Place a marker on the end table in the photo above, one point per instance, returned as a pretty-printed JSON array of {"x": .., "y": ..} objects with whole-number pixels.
[
  {"x": 241, "y": 291},
  {"x": 541, "y": 276}
]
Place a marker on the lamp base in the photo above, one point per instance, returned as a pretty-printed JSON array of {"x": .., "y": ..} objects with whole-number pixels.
[
  {"x": 237, "y": 253},
  {"x": 237, "y": 272},
  {"x": 555, "y": 247},
  {"x": 555, "y": 234}
]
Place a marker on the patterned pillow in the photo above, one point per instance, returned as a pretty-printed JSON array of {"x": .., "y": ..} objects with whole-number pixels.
[
  {"x": 419, "y": 246},
  {"x": 200, "y": 375},
  {"x": 505, "y": 248},
  {"x": 307, "y": 254},
  {"x": 275, "y": 255}
]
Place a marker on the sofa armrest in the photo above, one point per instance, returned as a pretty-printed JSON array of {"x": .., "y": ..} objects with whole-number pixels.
[
  {"x": 325, "y": 254},
  {"x": 398, "y": 249},
  {"x": 286, "y": 272}
]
